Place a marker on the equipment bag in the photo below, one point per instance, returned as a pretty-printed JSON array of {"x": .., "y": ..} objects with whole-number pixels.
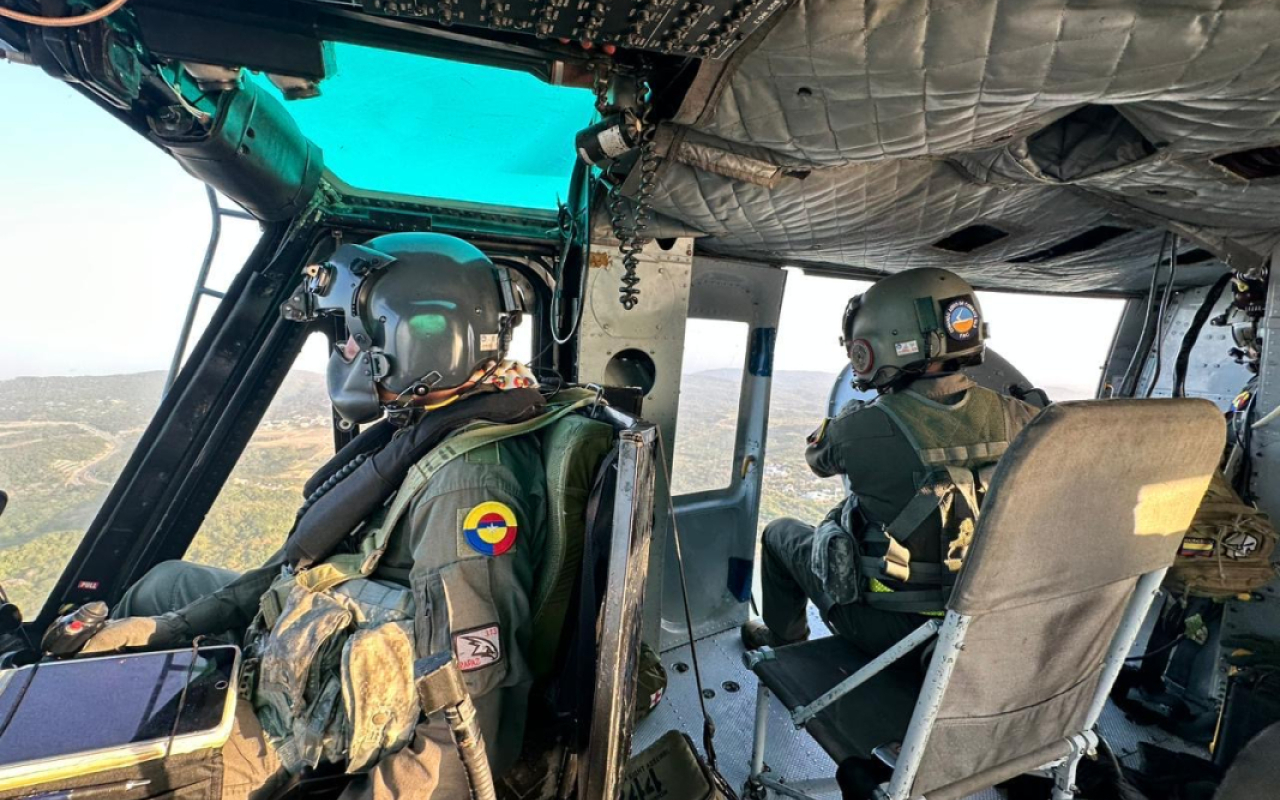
[
  {"x": 1227, "y": 550},
  {"x": 670, "y": 769}
]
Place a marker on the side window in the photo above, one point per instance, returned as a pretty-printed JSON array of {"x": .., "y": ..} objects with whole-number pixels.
[
  {"x": 255, "y": 510},
  {"x": 101, "y": 257},
  {"x": 715, "y": 353}
]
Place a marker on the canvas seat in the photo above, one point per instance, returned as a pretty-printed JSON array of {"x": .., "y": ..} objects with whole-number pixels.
[
  {"x": 1084, "y": 516},
  {"x": 800, "y": 673}
]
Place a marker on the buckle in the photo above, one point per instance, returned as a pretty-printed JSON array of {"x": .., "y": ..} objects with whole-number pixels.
[{"x": 248, "y": 679}]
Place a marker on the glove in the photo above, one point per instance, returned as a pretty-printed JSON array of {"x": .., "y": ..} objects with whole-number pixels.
[{"x": 138, "y": 633}]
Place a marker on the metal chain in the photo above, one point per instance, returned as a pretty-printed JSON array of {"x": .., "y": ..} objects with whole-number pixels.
[
  {"x": 600, "y": 85},
  {"x": 630, "y": 219}
]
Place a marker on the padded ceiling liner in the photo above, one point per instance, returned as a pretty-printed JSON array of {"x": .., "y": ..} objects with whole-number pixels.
[{"x": 898, "y": 122}]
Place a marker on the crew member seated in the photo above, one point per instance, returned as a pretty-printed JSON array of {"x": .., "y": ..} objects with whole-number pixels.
[
  {"x": 916, "y": 458},
  {"x": 430, "y": 320}
]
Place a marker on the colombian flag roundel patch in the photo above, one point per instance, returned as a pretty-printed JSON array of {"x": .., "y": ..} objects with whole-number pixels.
[{"x": 490, "y": 528}]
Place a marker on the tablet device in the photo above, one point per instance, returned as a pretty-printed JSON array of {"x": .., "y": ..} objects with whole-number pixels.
[{"x": 61, "y": 719}]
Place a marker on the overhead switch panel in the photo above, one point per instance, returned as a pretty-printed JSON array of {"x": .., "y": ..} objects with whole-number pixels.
[{"x": 698, "y": 28}]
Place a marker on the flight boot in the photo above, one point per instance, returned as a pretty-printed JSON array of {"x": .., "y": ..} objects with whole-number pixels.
[{"x": 755, "y": 634}]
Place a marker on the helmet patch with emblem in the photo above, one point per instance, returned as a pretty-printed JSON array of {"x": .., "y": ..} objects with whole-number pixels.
[
  {"x": 861, "y": 356},
  {"x": 961, "y": 319},
  {"x": 490, "y": 528}
]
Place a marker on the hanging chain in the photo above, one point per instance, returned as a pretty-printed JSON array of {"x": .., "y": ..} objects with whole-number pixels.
[{"x": 630, "y": 219}]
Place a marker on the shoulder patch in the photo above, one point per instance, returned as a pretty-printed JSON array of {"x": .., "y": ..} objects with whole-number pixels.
[
  {"x": 489, "y": 529},
  {"x": 478, "y": 647}
]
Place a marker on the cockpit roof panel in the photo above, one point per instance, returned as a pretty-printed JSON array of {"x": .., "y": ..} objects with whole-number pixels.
[{"x": 408, "y": 124}]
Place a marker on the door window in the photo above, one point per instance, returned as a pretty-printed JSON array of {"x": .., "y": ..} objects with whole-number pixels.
[{"x": 715, "y": 353}]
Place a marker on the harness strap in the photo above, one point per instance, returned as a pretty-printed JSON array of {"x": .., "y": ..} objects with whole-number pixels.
[{"x": 342, "y": 567}]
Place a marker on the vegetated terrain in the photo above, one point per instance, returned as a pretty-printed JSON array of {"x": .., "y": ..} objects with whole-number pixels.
[{"x": 63, "y": 442}]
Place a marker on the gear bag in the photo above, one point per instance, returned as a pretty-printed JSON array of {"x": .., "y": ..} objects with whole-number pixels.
[
  {"x": 670, "y": 769},
  {"x": 1226, "y": 551},
  {"x": 958, "y": 446}
]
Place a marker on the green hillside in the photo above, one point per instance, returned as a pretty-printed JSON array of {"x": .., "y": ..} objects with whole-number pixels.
[{"x": 63, "y": 441}]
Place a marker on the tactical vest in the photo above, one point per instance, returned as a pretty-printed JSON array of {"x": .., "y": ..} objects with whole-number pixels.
[
  {"x": 958, "y": 446},
  {"x": 336, "y": 647}
]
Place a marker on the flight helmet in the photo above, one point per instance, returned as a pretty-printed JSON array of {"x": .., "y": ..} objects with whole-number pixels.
[
  {"x": 905, "y": 322},
  {"x": 423, "y": 312}
]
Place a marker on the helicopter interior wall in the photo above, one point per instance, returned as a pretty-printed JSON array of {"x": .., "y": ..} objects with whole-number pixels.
[
  {"x": 641, "y": 347},
  {"x": 1264, "y": 618},
  {"x": 1077, "y": 130},
  {"x": 1211, "y": 372}
]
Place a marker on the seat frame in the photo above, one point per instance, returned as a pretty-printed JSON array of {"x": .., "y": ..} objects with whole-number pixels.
[{"x": 950, "y": 635}]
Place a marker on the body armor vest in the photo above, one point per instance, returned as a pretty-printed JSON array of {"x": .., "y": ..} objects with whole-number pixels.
[{"x": 958, "y": 446}]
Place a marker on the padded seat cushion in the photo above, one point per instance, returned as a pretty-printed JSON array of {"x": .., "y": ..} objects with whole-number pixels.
[{"x": 875, "y": 713}]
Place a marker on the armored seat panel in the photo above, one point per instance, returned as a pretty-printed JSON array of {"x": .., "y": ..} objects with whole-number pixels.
[{"x": 874, "y": 714}]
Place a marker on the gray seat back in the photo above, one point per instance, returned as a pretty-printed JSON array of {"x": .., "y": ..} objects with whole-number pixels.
[{"x": 1090, "y": 496}]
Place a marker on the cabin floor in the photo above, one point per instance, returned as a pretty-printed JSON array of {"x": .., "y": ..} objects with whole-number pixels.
[{"x": 790, "y": 753}]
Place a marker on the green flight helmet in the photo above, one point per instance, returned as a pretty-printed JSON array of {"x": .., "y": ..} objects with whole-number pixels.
[
  {"x": 907, "y": 321},
  {"x": 423, "y": 312}
]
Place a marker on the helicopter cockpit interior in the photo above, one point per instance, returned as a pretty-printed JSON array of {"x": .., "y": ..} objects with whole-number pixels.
[{"x": 655, "y": 174}]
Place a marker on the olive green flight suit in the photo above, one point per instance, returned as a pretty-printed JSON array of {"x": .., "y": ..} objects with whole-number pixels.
[
  {"x": 461, "y": 596},
  {"x": 883, "y": 468}
]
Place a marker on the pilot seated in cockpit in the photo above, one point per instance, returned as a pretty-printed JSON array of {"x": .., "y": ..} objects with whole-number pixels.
[{"x": 332, "y": 624}]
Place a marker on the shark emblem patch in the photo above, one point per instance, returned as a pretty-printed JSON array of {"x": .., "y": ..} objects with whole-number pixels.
[{"x": 477, "y": 648}]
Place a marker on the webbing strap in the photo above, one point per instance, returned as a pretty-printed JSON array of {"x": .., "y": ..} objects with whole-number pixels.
[
  {"x": 933, "y": 492},
  {"x": 338, "y": 569},
  {"x": 983, "y": 451},
  {"x": 922, "y": 601}
]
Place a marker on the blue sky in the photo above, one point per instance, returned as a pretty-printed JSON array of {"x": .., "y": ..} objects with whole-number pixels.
[{"x": 103, "y": 237}]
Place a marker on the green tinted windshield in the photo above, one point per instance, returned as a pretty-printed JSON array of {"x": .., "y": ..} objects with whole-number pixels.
[{"x": 406, "y": 124}]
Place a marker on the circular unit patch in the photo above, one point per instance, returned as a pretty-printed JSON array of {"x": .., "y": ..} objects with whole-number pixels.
[
  {"x": 962, "y": 320},
  {"x": 861, "y": 356},
  {"x": 490, "y": 528}
]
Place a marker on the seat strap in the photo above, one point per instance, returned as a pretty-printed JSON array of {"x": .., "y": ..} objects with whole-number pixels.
[{"x": 343, "y": 567}]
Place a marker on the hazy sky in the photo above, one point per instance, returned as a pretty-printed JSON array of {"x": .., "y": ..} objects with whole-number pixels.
[{"x": 103, "y": 236}]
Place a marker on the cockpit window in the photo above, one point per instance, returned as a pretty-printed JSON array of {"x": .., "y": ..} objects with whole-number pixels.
[
  {"x": 408, "y": 124},
  {"x": 102, "y": 255}
]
